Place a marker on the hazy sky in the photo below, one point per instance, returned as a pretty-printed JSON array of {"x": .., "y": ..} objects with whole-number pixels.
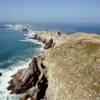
[{"x": 64, "y": 11}]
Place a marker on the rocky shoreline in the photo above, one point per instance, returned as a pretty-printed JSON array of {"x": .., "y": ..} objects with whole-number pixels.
[
  {"x": 68, "y": 70},
  {"x": 33, "y": 81}
]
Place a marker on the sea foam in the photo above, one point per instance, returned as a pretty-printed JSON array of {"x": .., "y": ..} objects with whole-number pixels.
[
  {"x": 17, "y": 27},
  {"x": 7, "y": 73}
]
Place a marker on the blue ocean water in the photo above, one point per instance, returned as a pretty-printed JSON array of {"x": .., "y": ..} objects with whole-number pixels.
[
  {"x": 16, "y": 54},
  {"x": 12, "y": 50},
  {"x": 67, "y": 28}
]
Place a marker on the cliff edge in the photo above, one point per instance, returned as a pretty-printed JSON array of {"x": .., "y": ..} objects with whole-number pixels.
[{"x": 68, "y": 70}]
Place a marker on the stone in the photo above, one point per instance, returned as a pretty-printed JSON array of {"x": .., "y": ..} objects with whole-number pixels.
[
  {"x": 33, "y": 77},
  {"x": 49, "y": 44},
  {"x": 0, "y": 73}
]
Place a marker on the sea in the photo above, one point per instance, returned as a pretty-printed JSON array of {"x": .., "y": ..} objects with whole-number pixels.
[{"x": 16, "y": 50}]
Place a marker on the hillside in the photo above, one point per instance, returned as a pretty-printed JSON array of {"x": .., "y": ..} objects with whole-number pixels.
[
  {"x": 74, "y": 71},
  {"x": 68, "y": 71}
]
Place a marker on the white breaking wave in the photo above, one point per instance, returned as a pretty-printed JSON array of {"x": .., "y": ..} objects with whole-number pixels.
[
  {"x": 32, "y": 41},
  {"x": 17, "y": 27},
  {"x": 6, "y": 77},
  {"x": 31, "y": 34},
  {"x": 7, "y": 73}
]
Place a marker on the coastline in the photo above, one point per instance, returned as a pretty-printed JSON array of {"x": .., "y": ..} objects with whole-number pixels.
[
  {"x": 17, "y": 62},
  {"x": 38, "y": 76}
]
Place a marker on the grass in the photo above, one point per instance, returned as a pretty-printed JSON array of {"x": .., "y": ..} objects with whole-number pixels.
[{"x": 74, "y": 71}]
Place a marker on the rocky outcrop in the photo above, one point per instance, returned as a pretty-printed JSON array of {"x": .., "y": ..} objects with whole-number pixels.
[
  {"x": 31, "y": 81},
  {"x": 50, "y": 39},
  {"x": 47, "y": 43},
  {"x": 24, "y": 30}
]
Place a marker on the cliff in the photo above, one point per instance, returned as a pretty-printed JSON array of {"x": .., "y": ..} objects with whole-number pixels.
[{"x": 69, "y": 70}]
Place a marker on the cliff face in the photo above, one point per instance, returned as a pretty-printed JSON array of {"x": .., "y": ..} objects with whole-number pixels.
[
  {"x": 31, "y": 81},
  {"x": 68, "y": 71}
]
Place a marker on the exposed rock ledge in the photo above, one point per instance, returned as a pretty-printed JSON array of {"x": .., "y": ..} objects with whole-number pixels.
[
  {"x": 32, "y": 80},
  {"x": 70, "y": 71}
]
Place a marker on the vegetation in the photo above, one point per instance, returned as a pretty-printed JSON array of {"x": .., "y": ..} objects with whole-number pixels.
[{"x": 74, "y": 70}]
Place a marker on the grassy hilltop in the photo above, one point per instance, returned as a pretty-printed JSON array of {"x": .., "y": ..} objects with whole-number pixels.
[{"x": 74, "y": 69}]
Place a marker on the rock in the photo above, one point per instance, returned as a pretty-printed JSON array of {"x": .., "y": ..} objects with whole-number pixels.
[
  {"x": 25, "y": 78},
  {"x": 33, "y": 77},
  {"x": 49, "y": 44},
  {"x": 25, "y": 30},
  {"x": 35, "y": 36},
  {"x": 59, "y": 33},
  {"x": 0, "y": 73},
  {"x": 68, "y": 71}
]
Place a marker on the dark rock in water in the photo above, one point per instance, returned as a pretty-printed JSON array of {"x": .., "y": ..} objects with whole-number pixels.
[
  {"x": 24, "y": 30},
  {"x": 0, "y": 74},
  {"x": 34, "y": 37}
]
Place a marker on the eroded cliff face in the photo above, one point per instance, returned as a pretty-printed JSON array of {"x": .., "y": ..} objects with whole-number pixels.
[
  {"x": 68, "y": 71},
  {"x": 31, "y": 81}
]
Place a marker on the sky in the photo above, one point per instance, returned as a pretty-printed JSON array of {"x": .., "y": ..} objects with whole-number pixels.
[{"x": 56, "y": 11}]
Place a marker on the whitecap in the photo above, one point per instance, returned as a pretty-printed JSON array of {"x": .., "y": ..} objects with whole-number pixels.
[
  {"x": 32, "y": 41},
  {"x": 17, "y": 27},
  {"x": 6, "y": 76}
]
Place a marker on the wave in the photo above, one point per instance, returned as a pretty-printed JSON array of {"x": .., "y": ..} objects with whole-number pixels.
[
  {"x": 18, "y": 27},
  {"x": 7, "y": 73},
  {"x": 30, "y": 34},
  {"x": 32, "y": 41}
]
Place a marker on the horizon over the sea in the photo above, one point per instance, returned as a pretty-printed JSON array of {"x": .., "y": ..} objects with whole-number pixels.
[{"x": 62, "y": 27}]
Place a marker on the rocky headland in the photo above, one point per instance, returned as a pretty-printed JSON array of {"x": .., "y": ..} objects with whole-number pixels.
[{"x": 68, "y": 70}]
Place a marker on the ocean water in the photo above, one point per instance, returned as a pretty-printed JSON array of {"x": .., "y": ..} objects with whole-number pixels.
[
  {"x": 67, "y": 28},
  {"x": 16, "y": 51}
]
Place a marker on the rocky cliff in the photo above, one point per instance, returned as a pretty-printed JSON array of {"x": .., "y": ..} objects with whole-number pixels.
[{"x": 68, "y": 70}]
